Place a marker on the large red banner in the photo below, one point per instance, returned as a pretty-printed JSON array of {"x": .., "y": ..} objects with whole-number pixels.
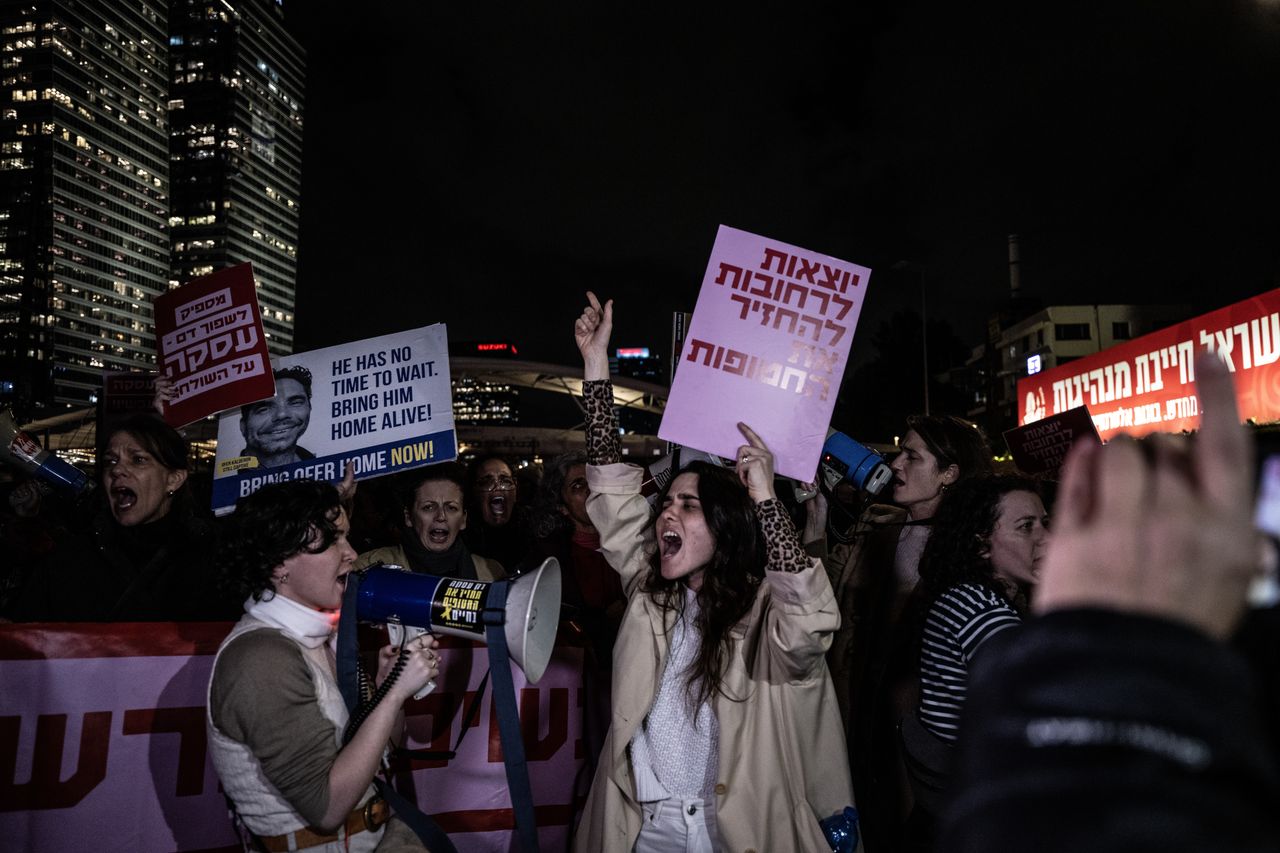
[
  {"x": 1148, "y": 384},
  {"x": 210, "y": 341},
  {"x": 103, "y": 744}
]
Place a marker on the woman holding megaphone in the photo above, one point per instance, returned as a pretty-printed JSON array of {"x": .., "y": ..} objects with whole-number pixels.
[
  {"x": 725, "y": 732},
  {"x": 276, "y": 716}
]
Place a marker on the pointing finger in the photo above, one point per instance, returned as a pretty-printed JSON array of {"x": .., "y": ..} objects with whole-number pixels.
[
  {"x": 750, "y": 435},
  {"x": 1223, "y": 450}
]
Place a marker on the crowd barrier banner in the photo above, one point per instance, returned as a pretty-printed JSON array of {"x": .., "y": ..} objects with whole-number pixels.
[
  {"x": 383, "y": 404},
  {"x": 1148, "y": 384},
  {"x": 103, "y": 744},
  {"x": 768, "y": 346},
  {"x": 210, "y": 341}
]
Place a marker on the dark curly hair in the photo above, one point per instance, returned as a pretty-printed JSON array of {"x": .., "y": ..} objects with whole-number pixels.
[
  {"x": 730, "y": 580},
  {"x": 962, "y": 530},
  {"x": 270, "y": 526},
  {"x": 545, "y": 516}
]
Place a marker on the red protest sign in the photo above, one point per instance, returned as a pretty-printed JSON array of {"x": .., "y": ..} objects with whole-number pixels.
[
  {"x": 211, "y": 343},
  {"x": 1148, "y": 384}
]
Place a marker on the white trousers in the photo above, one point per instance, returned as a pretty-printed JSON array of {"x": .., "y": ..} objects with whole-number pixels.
[{"x": 678, "y": 826}]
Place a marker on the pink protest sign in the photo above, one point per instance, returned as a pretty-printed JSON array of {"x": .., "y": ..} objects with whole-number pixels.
[
  {"x": 767, "y": 346},
  {"x": 210, "y": 342}
]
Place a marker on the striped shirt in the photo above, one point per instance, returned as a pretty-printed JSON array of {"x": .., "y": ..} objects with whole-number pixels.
[{"x": 959, "y": 622}]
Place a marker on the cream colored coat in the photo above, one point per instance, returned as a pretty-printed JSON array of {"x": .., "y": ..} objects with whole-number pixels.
[{"x": 782, "y": 747}]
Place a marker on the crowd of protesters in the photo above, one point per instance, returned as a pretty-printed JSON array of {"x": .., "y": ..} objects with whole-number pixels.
[{"x": 935, "y": 659}]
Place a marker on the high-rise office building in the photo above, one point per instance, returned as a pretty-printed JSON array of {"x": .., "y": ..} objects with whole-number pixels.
[
  {"x": 84, "y": 188},
  {"x": 235, "y": 112}
]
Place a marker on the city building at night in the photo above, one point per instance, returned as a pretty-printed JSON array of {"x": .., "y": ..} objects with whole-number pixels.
[
  {"x": 84, "y": 187},
  {"x": 236, "y": 120},
  {"x": 482, "y": 401},
  {"x": 1042, "y": 340}
]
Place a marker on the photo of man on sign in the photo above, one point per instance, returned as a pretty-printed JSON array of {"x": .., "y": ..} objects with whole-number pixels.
[{"x": 272, "y": 427}]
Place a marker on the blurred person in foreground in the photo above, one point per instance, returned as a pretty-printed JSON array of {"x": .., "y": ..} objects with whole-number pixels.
[{"x": 1119, "y": 720}]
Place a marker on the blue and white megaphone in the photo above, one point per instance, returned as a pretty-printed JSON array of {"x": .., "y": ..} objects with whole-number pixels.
[
  {"x": 411, "y": 604},
  {"x": 846, "y": 459}
]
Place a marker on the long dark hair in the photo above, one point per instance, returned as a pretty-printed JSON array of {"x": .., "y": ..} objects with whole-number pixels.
[
  {"x": 270, "y": 526},
  {"x": 961, "y": 535},
  {"x": 730, "y": 580}
]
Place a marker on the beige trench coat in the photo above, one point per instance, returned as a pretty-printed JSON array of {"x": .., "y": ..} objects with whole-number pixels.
[{"x": 782, "y": 747}]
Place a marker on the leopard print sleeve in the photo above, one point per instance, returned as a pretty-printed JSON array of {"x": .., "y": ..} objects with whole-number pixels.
[
  {"x": 603, "y": 445},
  {"x": 781, "y": 542}
]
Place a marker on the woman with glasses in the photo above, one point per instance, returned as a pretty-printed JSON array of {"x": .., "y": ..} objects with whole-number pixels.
[{"x": 497, "y": 528}]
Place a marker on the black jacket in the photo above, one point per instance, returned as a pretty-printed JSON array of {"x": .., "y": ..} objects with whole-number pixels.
[
  {"x": 1099, "y": 731},
  {"x": 158, "y": 572}
]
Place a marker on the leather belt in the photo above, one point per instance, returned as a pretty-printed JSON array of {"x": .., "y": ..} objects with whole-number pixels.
[{"x": 371, "y": 816}]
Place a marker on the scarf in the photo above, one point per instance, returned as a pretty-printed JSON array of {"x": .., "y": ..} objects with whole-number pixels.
[
  {"x": 455, "y": 562},
  {"x": 311, "y": 628}
]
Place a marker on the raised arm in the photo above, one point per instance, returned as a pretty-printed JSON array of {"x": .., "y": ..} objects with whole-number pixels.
[
  {"x": 591, "y": 332},
  {"x": 616, "y": 508},
  {"x": 803, "y": 615}
]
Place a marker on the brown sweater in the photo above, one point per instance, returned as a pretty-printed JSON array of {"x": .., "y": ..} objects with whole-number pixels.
[{"x": 263, "y": 695}]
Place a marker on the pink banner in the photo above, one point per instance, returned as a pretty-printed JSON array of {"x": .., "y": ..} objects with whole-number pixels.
[
  {"x": 1148, "y": 384},
  {"x": 767, "y": 346},
  {"x": 210, "y": 341},
  {"x": 102, "y": 737}
]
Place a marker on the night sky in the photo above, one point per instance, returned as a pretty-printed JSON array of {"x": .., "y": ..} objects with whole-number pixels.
[{"x": 482, "y": 166}]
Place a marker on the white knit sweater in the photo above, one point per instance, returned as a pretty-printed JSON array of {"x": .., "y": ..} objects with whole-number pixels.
[{"x": 676, "y": 752}]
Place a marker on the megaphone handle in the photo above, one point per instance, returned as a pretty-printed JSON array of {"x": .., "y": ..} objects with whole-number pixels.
[{"x": 427, "y": 688}]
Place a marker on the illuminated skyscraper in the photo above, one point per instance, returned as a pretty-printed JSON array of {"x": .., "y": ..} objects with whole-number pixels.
[
  {"x": 235, "y": 112},
  {"x": 83, "y": 193}
]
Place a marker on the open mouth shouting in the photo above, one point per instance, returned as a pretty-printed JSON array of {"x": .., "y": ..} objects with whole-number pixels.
[
  {"x": 439, "y": 535},
  {"x": 123, "y": 499},
  {"x": 669, "y": 544}
]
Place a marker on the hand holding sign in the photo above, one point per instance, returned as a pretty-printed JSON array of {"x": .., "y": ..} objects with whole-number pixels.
[
  {"x": 1169, "y": 532},
  {"x": 591, "y": 331}
]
